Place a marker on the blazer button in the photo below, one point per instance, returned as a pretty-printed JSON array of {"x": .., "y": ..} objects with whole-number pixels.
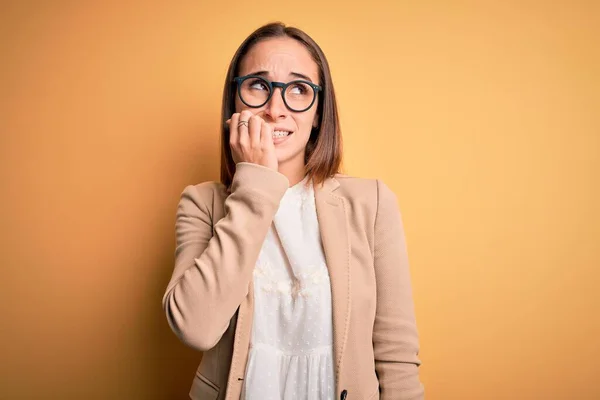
[{"x": 344, "y": 394}]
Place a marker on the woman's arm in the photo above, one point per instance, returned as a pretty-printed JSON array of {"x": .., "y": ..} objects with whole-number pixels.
[
  {"x": 395, "y": 338},
  {"x": 212, "y": 272}
]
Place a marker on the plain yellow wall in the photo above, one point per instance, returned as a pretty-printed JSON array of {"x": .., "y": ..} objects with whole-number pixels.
[{"x": 484, "y": 117}]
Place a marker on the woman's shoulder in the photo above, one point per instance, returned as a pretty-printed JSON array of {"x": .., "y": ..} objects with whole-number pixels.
[
  {"x": 368, "y": 190},
  {"x": 349, "y": 182}
]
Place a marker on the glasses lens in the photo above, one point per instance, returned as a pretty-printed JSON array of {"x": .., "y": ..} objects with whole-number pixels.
[
  {"x": 254, "y": 91},
  {"x": 299, "y": 96}
]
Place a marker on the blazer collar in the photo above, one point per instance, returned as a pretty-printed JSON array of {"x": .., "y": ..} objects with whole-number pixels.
[
  {"x": 328, "y": 186},
  {"x": 332, "y": 215}
]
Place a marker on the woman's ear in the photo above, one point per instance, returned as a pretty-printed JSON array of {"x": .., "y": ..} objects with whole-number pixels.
[{"x": 316, "y": 121}]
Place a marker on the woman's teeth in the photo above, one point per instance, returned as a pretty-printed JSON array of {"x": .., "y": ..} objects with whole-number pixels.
[{"x": 279, "y": 134}]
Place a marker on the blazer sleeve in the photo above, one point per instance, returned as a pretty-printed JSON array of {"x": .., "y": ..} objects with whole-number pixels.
[
  {"x": 395, "y": 337},
  {"x": 214, "y": 260}
]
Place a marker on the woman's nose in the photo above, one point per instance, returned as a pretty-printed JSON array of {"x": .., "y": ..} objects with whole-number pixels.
[{"x": 276, "y": 106}]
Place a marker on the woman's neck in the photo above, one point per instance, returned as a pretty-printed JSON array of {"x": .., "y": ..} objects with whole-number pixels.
[{"x": 294, "y": 173}]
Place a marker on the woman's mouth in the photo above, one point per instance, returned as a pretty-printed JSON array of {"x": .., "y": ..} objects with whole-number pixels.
[{"x": 280, "y": 136}]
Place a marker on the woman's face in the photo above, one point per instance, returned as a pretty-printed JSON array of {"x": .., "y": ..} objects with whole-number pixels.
[{"x": 283, "y": 60}]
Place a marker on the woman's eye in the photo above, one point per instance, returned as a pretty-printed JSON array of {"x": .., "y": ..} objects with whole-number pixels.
[
  {"x": 298, "y": 89},
  {"x": 259, "y": 85}
]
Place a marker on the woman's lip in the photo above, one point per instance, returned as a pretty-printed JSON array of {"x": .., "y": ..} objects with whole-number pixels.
[{"x": 277, "y": 140}]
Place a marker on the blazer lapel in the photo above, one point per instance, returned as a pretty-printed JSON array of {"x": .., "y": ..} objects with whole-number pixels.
[{"x": 333, "y": 226}]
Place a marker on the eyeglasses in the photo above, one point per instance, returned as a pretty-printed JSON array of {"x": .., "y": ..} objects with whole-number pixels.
[{"x": 255, "y": 91}]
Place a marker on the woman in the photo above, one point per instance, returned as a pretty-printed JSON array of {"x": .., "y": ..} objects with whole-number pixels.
[{"x": 291, "y": 278}]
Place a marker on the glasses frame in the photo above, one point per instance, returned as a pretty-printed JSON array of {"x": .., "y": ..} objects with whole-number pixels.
[{"x": 272, "y": 85}]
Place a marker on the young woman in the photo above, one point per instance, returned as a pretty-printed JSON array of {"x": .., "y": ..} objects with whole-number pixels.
[{"x": 290, "y": 277}]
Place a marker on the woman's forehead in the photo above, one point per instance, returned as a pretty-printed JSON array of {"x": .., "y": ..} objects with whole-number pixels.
[{"x": 279, "y": 57}]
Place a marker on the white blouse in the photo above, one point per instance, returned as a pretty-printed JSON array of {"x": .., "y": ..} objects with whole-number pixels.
[{"x": 291, "y": 346}]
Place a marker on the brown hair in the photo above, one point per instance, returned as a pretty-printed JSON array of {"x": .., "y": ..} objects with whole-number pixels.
[{"x": 324, "y": 148}]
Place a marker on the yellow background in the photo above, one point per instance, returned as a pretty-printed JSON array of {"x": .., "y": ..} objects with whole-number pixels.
[{"x": 482, "y": 116}]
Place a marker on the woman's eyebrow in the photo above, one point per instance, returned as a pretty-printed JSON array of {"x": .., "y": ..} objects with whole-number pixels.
[
  {"x": 294, "y": 74},
  {"x": 298, "y": 75}
]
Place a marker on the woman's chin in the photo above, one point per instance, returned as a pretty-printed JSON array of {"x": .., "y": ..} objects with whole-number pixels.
[{"x": 286, "y": 157}]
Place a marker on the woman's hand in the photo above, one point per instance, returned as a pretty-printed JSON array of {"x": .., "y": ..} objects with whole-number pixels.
[{"x": 252, "y": 142}]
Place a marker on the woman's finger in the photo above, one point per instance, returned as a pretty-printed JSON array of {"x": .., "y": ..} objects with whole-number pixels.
[
  {"x": 254, "y": 131},
  {"x": 266, "y": 136},
  {"x": 233, "y": 131},
  {"x": 242, "y": 127}
]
